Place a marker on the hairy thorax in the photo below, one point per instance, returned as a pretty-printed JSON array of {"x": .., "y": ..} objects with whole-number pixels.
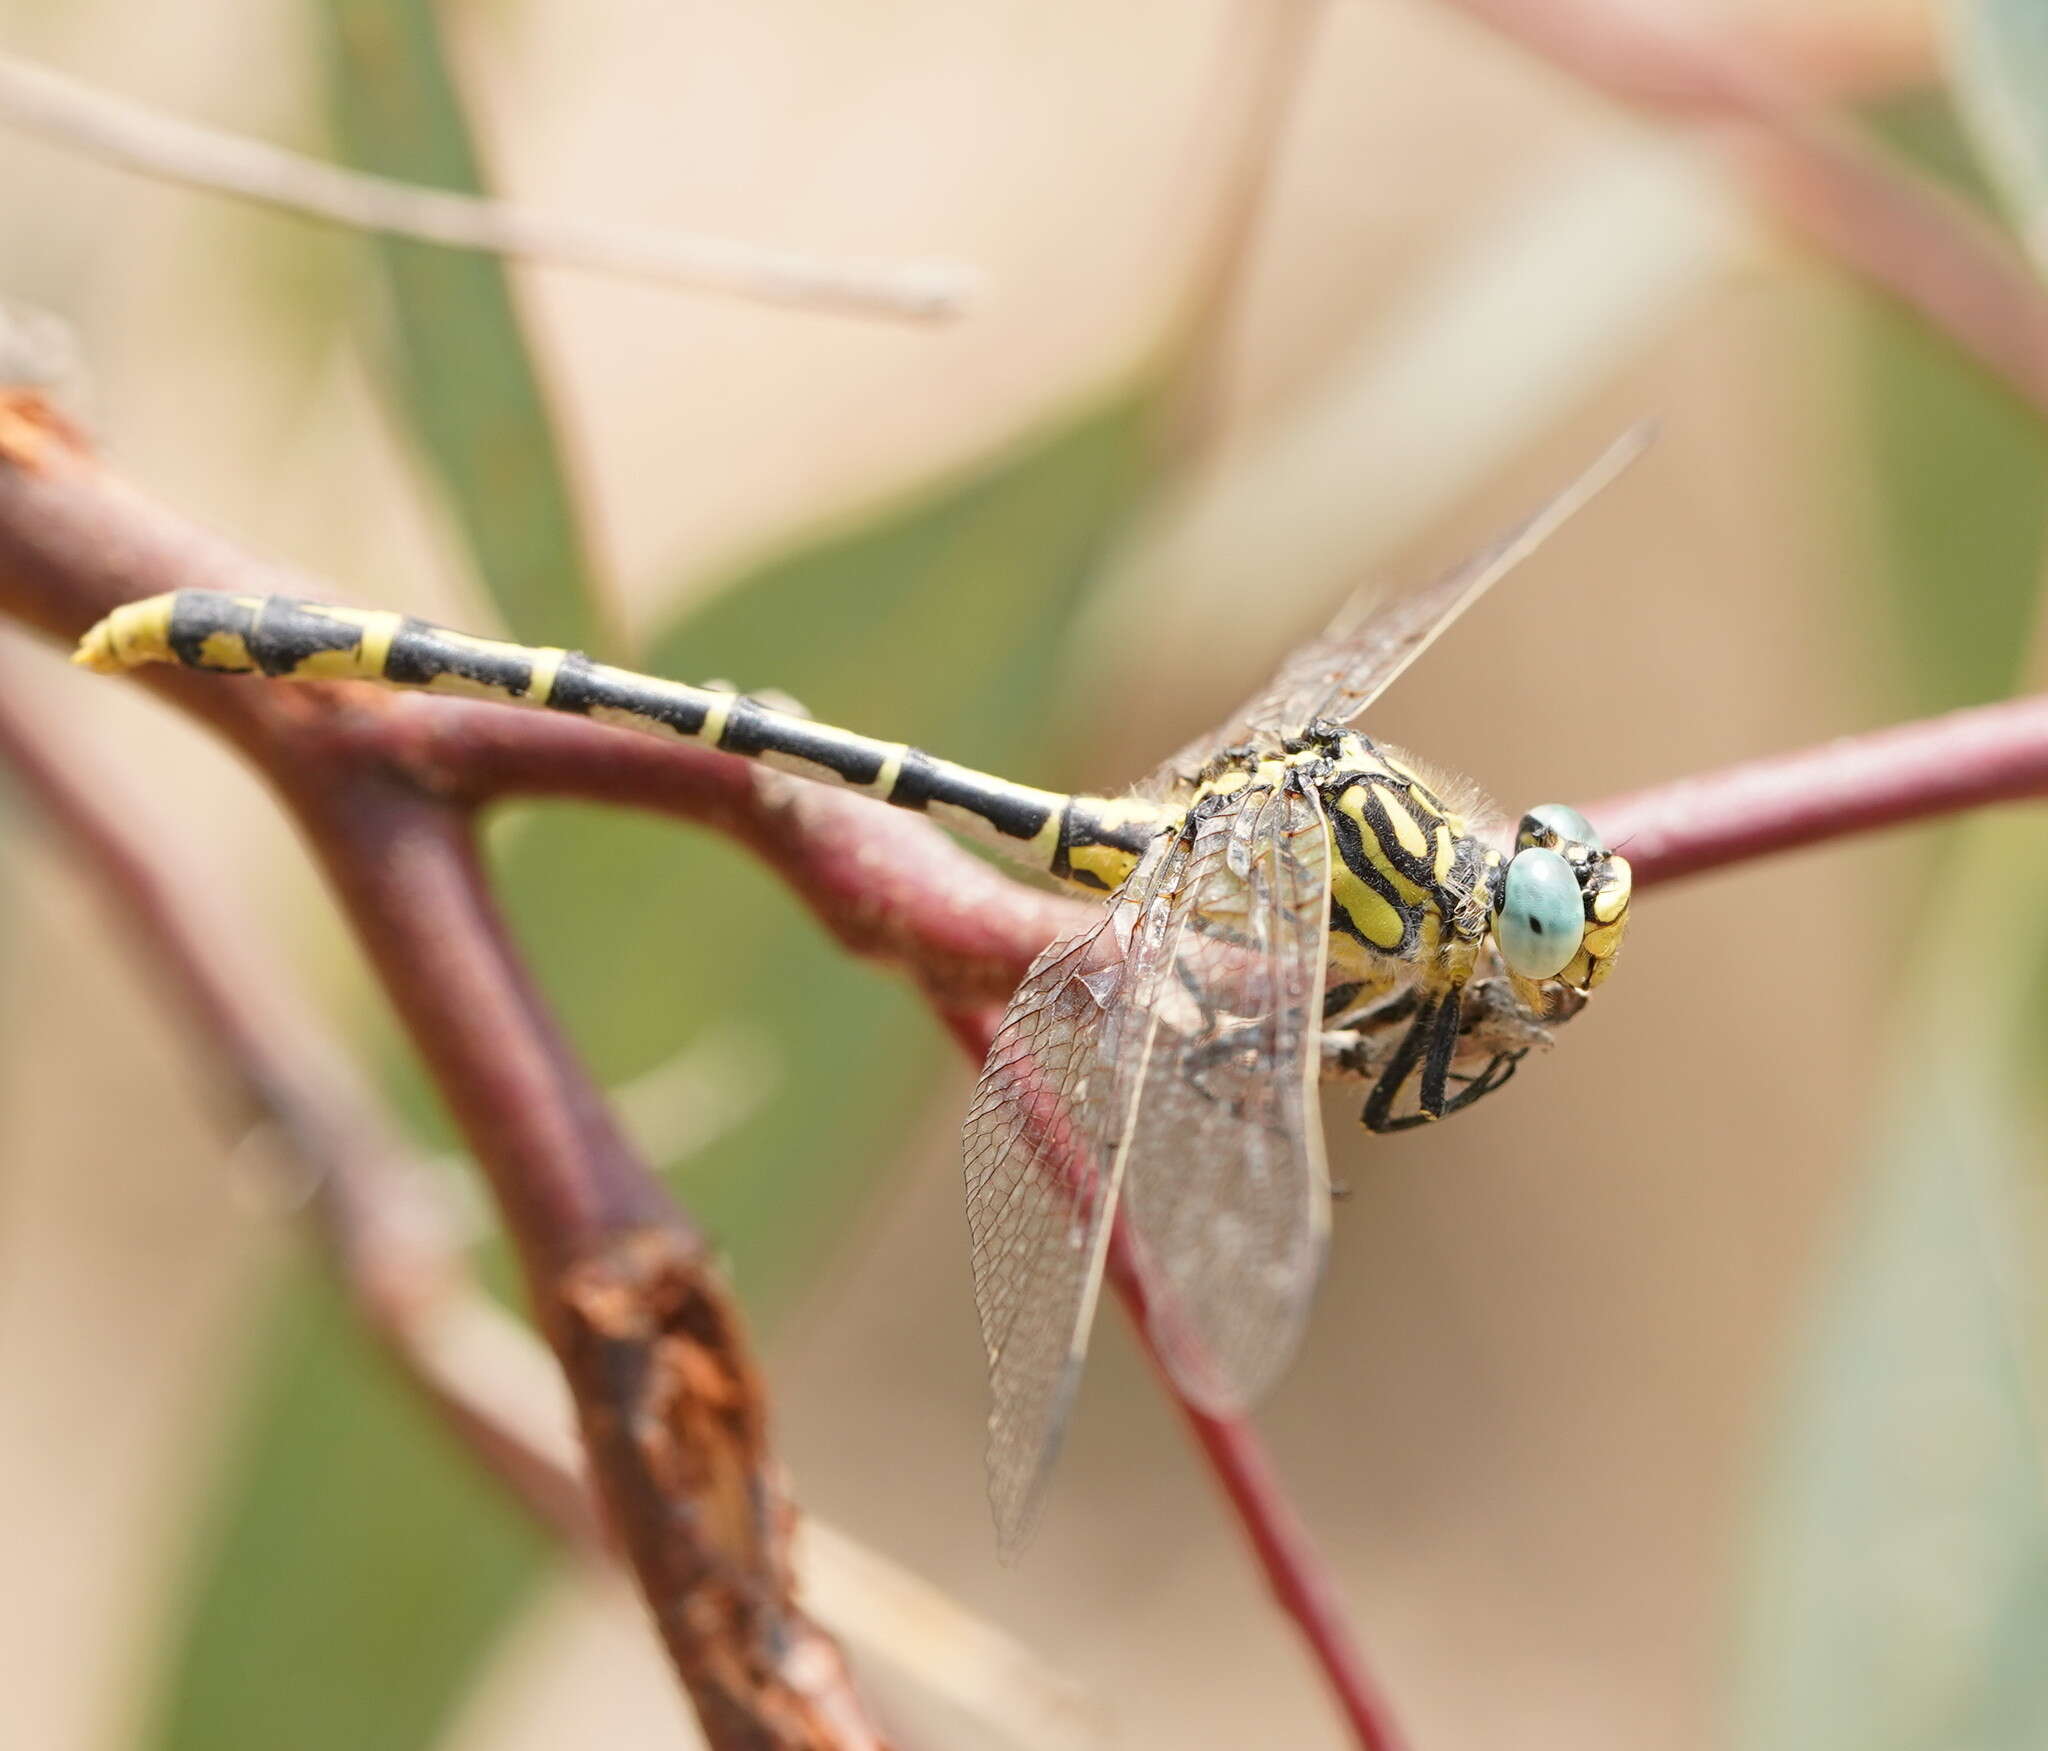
[{"x": 1412, "y": 888}]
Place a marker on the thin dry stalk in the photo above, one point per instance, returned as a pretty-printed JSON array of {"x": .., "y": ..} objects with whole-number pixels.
[{"x": 117, "y": 131}]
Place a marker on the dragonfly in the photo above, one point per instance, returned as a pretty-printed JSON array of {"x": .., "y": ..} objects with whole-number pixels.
[{"x": 1287, "y": 901}]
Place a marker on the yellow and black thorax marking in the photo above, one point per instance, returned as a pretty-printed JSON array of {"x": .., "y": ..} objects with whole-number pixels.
[
  {"x": 1409, "y": 882},
  {"x": 1093, "y": 842}
]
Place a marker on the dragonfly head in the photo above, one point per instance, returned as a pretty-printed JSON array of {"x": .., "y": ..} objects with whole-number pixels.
[{"x": 1561, "y": 905}]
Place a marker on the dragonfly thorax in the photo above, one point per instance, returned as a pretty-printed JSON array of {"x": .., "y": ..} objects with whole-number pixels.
[
  {"x": 1410, "y": 883},
  {"x": 1418, "y": 898}
]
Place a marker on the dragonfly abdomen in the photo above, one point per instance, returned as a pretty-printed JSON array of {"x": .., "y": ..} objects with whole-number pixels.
[{"x": 1091, "y": 841}]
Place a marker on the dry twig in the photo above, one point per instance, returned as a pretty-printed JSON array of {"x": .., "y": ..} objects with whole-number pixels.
[{"x": 128, "y": 134}]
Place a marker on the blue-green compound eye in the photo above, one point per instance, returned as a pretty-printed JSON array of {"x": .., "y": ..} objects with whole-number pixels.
[
  {"x": 1567, "y": 823},
  {"x": 1541, "y": 917}
]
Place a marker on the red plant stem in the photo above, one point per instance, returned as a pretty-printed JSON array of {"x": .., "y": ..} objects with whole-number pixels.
[
  {"x": 1296, "y": 1574},
  {"x": 1964, "y": 760},
  {"x": 405, "y": 869},
  {"x": 671, "y": 1408},
  {"x": 883, "y": 882},
  {"x": 1300, "y": 1580},
  {"x": 142, "y": 906},
  {"x": 1661, "y": 54},
  {"x": 1911, "y": 239},
  {"x": 891, "y": 887},
  {"x": 1870, "y": 212}
]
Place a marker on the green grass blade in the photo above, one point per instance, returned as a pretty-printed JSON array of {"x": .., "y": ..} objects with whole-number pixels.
[
  {"x": 358, "y": 1565},
  {"x": 463, "y": 374}
]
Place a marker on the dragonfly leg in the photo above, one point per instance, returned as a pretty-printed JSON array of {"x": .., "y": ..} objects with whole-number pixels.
[
  {"x": 1360, "y": 1036},
  {"x": 1499, "y": 1069},
  {"x": 1441, "y": 1025},
  {"x": 1440, "y": 1049},
  {"x": 1429, "y": 1045}
]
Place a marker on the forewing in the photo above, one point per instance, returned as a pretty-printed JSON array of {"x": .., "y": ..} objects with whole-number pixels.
[
  {"x": 1043, "y": 1152},
  {"x": 1225, "y": 1189},
  {"x": 1373, "y": 640}
]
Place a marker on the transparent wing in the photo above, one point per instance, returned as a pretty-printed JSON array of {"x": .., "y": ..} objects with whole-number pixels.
[
  {"x": 1225, "y": 1187},
  {"x": 1043, "y": 1150},
  {"x": 1371, "y": 641}
]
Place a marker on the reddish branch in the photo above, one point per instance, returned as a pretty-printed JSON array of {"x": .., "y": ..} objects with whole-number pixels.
[
  {"x": 1964, "y": 760},
  {"x": 1864, "y": 208},
  {"x": 671, "y": 1410},
  {"x": 386, "y": 786},
  {"x": 884, "y": 883},
  {"x": 1300, "y": 1580},
  {"x": 892, "y": 888}
]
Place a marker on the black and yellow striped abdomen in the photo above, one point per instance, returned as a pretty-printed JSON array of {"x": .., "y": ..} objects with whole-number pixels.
[{"x": 1091, "y": 841}]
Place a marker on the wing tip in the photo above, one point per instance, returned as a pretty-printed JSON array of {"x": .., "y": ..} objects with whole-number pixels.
[{"x": 1020, "y": 1466}]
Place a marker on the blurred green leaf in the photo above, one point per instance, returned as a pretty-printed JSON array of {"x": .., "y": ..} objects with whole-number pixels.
[
  {"x": 936, "y": 619},
  {"x": 463, "y": 374},
  {"x": 1923, "y": 125},
  {"x": 1900, "y": 1602},
  {"x": 358, "y": 1567},
  {"x": 1959, "y": 467},
  {"x": 1896, "y": 1597},
  {"x": 361, "y": 1566},
  {"x": 1998, "y": 70},
  {"x": 1958, "y": 463}
]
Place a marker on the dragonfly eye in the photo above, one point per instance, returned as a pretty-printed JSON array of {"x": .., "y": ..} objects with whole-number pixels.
[
  {"x": 1542, "y": 917},
  {"x": 1549, "y": 824}
]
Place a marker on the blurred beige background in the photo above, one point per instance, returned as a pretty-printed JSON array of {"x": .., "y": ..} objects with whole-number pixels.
[{"x": 1533, "y": 1391}]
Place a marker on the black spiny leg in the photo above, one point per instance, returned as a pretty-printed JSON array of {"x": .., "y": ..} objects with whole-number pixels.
[
  {"x": 1494, "y": 1076},
  {"x": 1432, "y": 1043},
  {"x": 1379, "y": 1105},
  {"x": 1443, "y": 1047}
]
